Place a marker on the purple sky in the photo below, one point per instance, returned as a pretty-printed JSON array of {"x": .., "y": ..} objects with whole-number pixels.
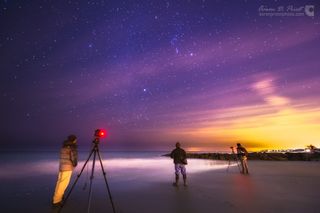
[{"x": 206, "y": 73}]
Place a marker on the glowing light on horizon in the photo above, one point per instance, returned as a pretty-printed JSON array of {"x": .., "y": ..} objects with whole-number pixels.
[{"x": 277, "y": 123}]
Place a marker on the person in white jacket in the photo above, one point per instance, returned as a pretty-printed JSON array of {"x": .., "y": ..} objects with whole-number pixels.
[{"x": 68, "y": 161}]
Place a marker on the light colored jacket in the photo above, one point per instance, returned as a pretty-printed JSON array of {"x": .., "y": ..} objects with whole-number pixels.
[{"x": 68, "y": 157}]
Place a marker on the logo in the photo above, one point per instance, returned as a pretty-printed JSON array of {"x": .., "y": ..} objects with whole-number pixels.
[
  {"x": 309, "y": 10},
  {"x": 286, "y": 10}
]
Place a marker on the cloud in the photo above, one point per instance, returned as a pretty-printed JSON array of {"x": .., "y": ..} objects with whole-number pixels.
[
  {"x": 267, "y": 89},
  {"x": 274, "y": 100},
  {"x": 264, "y": 86}
]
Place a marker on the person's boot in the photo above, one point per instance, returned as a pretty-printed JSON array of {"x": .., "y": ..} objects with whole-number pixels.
[
  {"x": 185, "y": 180},
  {"x": 57, "y": 205},
  {"x": 247, "y": 171},
  {"x": 177, "y": 180}
]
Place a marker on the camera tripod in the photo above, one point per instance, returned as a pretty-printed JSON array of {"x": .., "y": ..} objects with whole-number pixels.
[
  {"x": 95, "y": 152},
  {"x": 233, "y": 157}
]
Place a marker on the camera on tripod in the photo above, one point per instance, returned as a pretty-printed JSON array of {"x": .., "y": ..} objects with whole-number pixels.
[
  {"x": 233, "y": 157},
  {"x": 99, "y": 133}
]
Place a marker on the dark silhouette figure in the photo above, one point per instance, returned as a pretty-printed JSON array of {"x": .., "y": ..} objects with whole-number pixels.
[
  {"x": 180, "y": 160},
  {"x": 243, "y": 156}
]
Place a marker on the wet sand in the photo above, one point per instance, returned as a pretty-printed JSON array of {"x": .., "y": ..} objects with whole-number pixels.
[{"x": 270, "y": 187}]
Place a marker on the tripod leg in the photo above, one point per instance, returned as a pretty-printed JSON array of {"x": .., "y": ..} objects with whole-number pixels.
[
  {"x": 236, "y": 159},
  {"x": 75, "y": 182},
  {"x": 229, "y": 163},
  {"x": 91, "y": 178},
  {"x": 239, "y": 164},
  {"x": 105, "y": 179}
]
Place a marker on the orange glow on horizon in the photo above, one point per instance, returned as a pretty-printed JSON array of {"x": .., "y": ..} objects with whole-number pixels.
[
  {"x": 277, "y": 123},
  {"x": 279, "y": 130},
  {"x": 194, "y": 149}
]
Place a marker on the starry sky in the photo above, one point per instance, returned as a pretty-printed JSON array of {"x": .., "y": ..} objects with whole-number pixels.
[{"x": 206, "y": 73}]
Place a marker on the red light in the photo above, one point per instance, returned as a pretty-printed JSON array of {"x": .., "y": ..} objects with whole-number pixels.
[{"x": 101, "y": 133}]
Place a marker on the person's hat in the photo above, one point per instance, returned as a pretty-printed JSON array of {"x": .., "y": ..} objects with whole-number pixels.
[{"x": 72, "y": 138}]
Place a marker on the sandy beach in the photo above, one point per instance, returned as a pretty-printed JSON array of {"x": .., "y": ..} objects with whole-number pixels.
[{"x": 144, "y": 185}]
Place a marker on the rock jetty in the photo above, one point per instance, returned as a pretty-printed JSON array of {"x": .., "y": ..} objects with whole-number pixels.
[{"x": 288, "y": 156}]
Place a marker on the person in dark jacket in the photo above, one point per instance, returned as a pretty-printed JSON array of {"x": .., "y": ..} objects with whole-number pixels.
[
  {"x": 68, "y": 161},
  {"x": 242, "y": 155},
  {"x": 180, "y": 160}
]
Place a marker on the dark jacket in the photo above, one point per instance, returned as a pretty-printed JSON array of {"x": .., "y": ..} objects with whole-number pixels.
[
  {"x": 68, "y": 156},
  {"x": 241, "y": 151},
  {"x": 179, "y": 156}
]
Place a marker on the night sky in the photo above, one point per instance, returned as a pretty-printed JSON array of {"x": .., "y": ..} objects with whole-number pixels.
[{"x": 206, "y": 73}]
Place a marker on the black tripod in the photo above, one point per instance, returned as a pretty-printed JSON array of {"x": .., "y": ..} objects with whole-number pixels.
[
  {"x": 233, "y": 157},
  {"x": 94, "y": 151}
]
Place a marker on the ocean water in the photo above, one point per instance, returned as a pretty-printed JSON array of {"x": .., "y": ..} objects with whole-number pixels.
[
  {"x": 117, "y": 164},
  {"x": 28, "y": 178}
]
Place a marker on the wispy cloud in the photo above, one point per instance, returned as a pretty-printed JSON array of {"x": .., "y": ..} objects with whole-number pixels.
[{"x": 277, "y": 121}]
